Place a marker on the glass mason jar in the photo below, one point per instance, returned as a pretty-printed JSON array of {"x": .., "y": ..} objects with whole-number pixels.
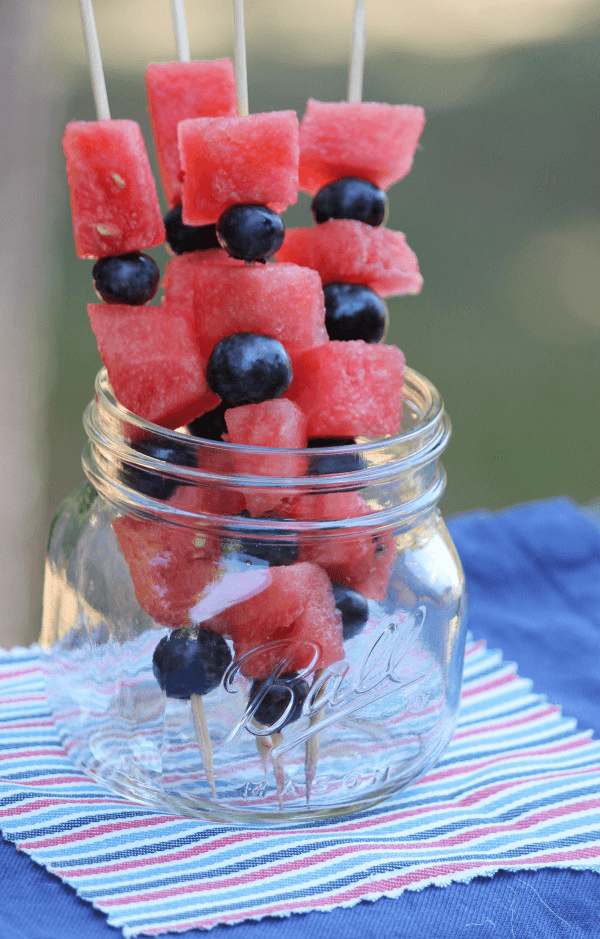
[{"x": 255, "y": 635}]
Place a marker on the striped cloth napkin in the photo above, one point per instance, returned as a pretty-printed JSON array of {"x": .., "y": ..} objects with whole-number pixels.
[{"x": 518, "y": 788}]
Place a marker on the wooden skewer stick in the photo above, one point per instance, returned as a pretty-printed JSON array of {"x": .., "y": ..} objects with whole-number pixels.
[
  {"x": 203, "y": 738},
  {"x": 357, "y": 56},
  {"x": 278, "y": 768},
  {"x": 311, "y": 747},
  {"x": 180, "y": 28},
  {"x": 311, "y": 760},
  {"x": 241, "y": 69},
  {"x": 263, "y": 746},
  {"x": 94, "y": 60}
]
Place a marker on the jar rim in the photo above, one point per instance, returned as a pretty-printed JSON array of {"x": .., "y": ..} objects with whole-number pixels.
[
  {"x": 114, "y": 431},
  {"x": 413, "y": 380}
]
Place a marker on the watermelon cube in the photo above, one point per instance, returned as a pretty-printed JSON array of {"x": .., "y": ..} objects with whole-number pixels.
[
  {"x": 153, "y": 363},
  {"x": 361, "y": 560},
  {"x": 275, "y": 423},
  {"x": 373, "y": 580},
  {"x": 350, "y": 252},
  {"x": 171, "y": 567},
  {"x": 166, "y": 582},
  {"x": 113, "y": 196},
  {"x": 232, "y": 160},
  {"x": 255, "y": 620},
  {"x": 295, "y": 615},
  {"x": 283, "y": 301},
  {"x": 179, "y": 279},
  {"x": 362, "y": 139},
  {"x": 177, "y": 91},
  {"x": 349, "y": 389},
  {"x": 209, "y": 500}
]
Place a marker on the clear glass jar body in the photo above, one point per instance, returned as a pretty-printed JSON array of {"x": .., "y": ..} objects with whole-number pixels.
[{"x": 245, "y": 543}]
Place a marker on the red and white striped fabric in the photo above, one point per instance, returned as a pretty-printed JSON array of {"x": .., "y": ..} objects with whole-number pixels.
[{"x": 518, "y": 788}]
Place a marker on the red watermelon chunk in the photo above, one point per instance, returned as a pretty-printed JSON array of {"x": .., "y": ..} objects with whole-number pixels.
[
  {"x": 350, "y": 252},
  {"x": 208, "y": 500},
  {"x": 178, "y": 91},
  {"x": 274, "y": 609},
  {"x": 297, "y": 611},
  {"x": 349, "y": 389},
  {"x": 274, "y": 423},
  {"x": 363, "y": 139},
  {"x": 279, "y": 300},
  {"x": 153, "y": 363},
  {"x": 170, "y": 566},
  {"x": 179, "y": 279},
  {"x": 374, "y": 579},
  {"x": 362, "y": 560},
  {"x": 231, "y": 160},
  {"x": 113, "y": 196}
]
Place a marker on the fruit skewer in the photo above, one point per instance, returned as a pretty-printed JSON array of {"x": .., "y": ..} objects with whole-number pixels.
[
  {"x": 264, "y": 748},
  {"x": 188, "y": 663},
  {"x": 127, "y": 273},
  {"x": 278, "y": 703},
  {"x": 378, "y": 319}
]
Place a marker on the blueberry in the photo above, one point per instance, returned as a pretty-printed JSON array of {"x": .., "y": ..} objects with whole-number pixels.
[
  {"x": 350, "y": 198},
  {"x": 331, "y": 464},
  {"x": 153, "y": 484},
  {"x": 210, "y": 426},
  {"x": 246, "y": 368},
  {"x": 353, "y": 607},
  {"x": 250, "y": 232},
  {"x": 276, "y": 553},
  {"x": 276, "y": 699},
  {"x": 331, "y": 441},
  {"x": 183, "y": 238},
  {"x": 190, "y": 661},
  {"x": 353, "y": 311},
  {"x": 126, "y": 278}
]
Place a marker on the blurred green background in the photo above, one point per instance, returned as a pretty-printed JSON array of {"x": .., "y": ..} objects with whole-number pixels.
[{"x": 502, "y": 209}]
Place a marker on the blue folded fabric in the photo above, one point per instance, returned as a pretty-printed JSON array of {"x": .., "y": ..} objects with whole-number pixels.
[
  {"x": 534, "y": 585},
  {"x": 534, "y": 581}
]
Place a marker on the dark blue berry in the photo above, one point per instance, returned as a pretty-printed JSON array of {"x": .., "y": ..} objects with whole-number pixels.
[
  {"x": 154, "y": 484},
  {"x": 276, "y": 553},
  {"x": 353, "y": 607},
  {"x": 210, "y": 426},
  {"x": 126, "y": 278},
  {"x": 183, "y": 238},
  {"x": 330, "y": 442},
  {"x": 353, "y": 311},
  {"x": 350, "y": 198},
  {"x": 250, "y": 232},
  {"x": 190, "y": 661},
  {"x": 277, "y": 696},
  {"x": 330, "y": 464},
  {"x": 246, "y": 368}
]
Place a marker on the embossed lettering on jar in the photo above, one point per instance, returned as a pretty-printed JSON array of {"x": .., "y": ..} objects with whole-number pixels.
[{"x": 309, "y": 624}]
